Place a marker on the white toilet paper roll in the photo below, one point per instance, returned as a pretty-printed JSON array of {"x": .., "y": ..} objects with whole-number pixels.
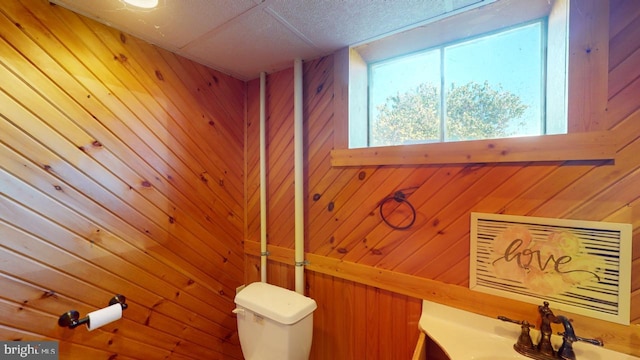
[{"x": 104, "y": 316}]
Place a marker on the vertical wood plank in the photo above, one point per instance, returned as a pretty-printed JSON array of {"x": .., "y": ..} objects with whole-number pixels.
[
  {"x": 373, "y": 328},
  {"x": 588, "y": 65},
  {"x": 341, "y": 99}
]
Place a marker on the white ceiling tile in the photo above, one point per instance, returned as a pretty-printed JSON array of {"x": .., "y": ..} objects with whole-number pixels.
[
  {"x": 173, "y": 24},
  {"x": 334, "y": 23},
  {"x": 253, "y": 43}
]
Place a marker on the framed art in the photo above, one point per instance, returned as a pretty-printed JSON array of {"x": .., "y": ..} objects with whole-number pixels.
[{"x": 578, "y": 266}]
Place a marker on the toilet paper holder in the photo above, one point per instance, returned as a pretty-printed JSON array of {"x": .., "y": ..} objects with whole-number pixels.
[{"x": 71, "y": 318}]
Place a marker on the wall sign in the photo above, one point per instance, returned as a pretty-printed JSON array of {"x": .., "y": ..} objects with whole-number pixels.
[{"x": 579, "y": 266}]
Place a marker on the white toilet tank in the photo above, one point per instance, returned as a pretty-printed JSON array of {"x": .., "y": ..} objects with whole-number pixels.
[{"x": 274, "y": 323}]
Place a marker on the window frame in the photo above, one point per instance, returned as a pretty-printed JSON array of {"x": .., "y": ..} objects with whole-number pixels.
[{"x": 587, "y": 137}]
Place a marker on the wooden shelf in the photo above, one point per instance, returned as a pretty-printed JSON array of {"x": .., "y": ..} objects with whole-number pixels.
[{"x": 598, "y": 145}]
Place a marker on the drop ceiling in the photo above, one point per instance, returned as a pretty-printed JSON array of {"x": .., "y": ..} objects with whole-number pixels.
[{"x": 245, "y": 37}]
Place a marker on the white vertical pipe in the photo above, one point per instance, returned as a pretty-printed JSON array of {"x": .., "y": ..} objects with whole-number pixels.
[
  {"x": 298, "y": 176},
  {"x": 263, "y": 179}
]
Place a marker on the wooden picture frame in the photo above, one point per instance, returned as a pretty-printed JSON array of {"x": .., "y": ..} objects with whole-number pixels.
[{"x": 578, "y": 266}]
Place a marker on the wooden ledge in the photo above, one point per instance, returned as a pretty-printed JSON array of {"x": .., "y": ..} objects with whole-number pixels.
[{"x": 599, "y": 145}]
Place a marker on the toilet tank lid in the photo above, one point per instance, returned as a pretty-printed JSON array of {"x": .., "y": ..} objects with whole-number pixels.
[{"x": 276, "y": 303}]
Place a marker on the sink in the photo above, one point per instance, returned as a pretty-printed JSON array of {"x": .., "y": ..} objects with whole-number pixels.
[{"x": 463, "y": 335}]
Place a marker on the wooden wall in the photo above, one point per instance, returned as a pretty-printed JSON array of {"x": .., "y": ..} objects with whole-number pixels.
[
  {"x": 346, "y": 238},
  {"x": 121, "y": 171}
]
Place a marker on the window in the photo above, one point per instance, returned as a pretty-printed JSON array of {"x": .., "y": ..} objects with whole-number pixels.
[
  {"x": 574, "y": 98},
  {"x": 490, "y": 86},
  {"x": 475, "y": 75}
]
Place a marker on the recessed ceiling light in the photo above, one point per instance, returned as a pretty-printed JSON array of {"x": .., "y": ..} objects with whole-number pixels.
[{"x": 146, "y": 4}]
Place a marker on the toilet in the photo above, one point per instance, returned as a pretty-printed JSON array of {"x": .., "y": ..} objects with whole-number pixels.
[{"x": 274, "y": 323}]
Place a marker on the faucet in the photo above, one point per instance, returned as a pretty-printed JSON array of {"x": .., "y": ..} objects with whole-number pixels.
[
  {"x": 565, "y": 351},
  {"x": 568, "y": 338},
  {"x": 546, "y": 318},
  {"x": 544, "y": 349}
]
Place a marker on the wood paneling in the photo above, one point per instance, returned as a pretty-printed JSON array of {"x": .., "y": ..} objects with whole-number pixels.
[
  {"x": 127, "y": 169},
  {"x": 121, "y": 171},
  {"x": 347, "y": 239}
]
